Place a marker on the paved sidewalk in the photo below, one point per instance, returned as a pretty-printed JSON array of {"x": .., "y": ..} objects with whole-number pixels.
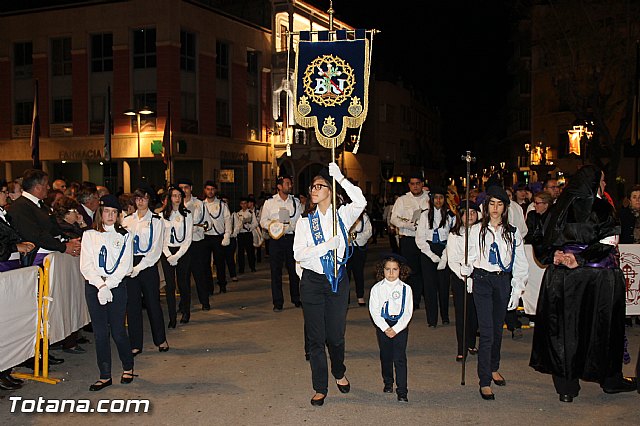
[{"x": 243, "y": 364}]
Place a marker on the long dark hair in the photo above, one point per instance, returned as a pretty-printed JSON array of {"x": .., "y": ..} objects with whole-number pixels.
[
  {"x": 166, "y": 212},
  {"x": 311, "y": 206},
  {"x": 459, "y": 224},
  {"x": 443, "y": 213},
  {"x": 504, "y": 221}
]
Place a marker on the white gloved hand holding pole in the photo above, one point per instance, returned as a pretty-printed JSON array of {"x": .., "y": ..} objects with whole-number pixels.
[{"x": 335, "y": 172}]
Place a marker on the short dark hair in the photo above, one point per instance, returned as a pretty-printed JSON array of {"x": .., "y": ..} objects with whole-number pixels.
[
  {"x": 63, "y": 205},
  {"x": 32, "y": 177},
  {"x": 634, "y": 188}
]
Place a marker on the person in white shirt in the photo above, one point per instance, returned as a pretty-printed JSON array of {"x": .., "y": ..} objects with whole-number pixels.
[
  {"x": 431, "y": 238},
  {"x": 359, "y": 235},
  {"x": 455, "y": 259},
  {"x": 199, "y": 259},
  {"x": 217, "y": 237},
  {"x": 143, "y": 284},
  {"x": 325, "y": 296},
  {"x": 246, "y": 222},
  {"x": 500, "y": 271},
  {"x": 280, "y": 215},
  {"x": 176, "y": 260},
  {"x": 404, "y": 216},
  {"x": 391, "y": 308},
  {"x": 106, "y": 258}
]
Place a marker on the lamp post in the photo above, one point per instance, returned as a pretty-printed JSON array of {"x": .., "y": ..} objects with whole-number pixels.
[{"x": 131, "y": 112}]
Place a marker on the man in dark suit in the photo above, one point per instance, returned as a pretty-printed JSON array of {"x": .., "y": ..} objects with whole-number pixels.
[
  {"x": 31, "y": 217},
  {"x": 89, "y": 200}
]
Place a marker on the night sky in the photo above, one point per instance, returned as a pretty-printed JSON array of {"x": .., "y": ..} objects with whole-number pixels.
[{"x": 456, "y": 54}]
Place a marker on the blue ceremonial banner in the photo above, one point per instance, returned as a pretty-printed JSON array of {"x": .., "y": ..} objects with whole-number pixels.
[{"x": 332, "y": 84}]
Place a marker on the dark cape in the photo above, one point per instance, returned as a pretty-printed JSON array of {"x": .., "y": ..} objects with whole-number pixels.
[{"x": 579, "y": 331}]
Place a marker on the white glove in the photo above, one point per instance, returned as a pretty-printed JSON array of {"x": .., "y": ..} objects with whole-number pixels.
[
  {"x": 226, "y": 241},
  {"x": 332, "y": 243},
  {"x": 334, "y": 171},
  {"x": 443, "y": 263},
  {"x": 434, "y": 258},
  {"x": 173, "y": 260},
  {"x": 517, "y": 288},
  {"x": 469, "y": 285},
  {"x": 466, "y": 270},
  {"x": 134, "y": 272},
  {"x": 104, "y": 295}
]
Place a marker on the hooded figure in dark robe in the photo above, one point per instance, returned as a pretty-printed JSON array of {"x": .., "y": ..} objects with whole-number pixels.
[{"x": 579, "y": 331}]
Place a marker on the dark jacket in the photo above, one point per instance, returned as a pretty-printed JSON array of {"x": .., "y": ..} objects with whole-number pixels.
[
  {"x": 627, "y": 225},
  {"x": 9, "y": 237},
  {"x": 71, "y": 231},
  {"x": 36, "y": 225}
]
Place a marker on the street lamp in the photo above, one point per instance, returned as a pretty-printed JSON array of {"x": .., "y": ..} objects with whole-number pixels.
[{"x": 131, "y": 112}]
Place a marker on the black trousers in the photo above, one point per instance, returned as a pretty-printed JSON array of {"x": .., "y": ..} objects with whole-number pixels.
[
  {"x": 200, "y": 263},
  {"x": 491, "y": 295},
  {"x": 281, "y": 252},
  {"x": 410, "y": 251},
  {"x": 109, "y": 320},
  {"x": 393, "y": 354},
  {"x": 459, "y": 291},
  {"x": 325, "y": 318},
  {"x": 355, "y": 268},
  {"x": 230, "y": 256},
  {"x": 435, "y": 289},
  {"x": 245, "y": 246},
  {"x": 144, "y": 288},
  {"x": 512, "y": 321},
  {"x": 213, "y": 245},
  {"x": 180, "y": 272},
  {"x": 393, "y": 243}
]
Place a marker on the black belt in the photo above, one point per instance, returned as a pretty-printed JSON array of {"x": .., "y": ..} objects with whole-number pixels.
[{"x": 485, "y": 272}]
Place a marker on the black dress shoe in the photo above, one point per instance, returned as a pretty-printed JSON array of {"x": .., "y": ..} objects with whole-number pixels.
[
  {"x": 566, "y": 398},
  {"x": 185, "y": 317},
  {"x": 473, "y": 351},
  {"x": 388, "y": 388},
  {"x": 445, "y": 322},
  {"x": 344, "y": 388},
  {"x": 277, "y": 309},
  {"x": 206, "y": 307},
  {"x": 487, "y": 396},
  {"x": 99, "y": 385},
  {"x": 127, "y": 378},
  {"x": 307, "y": 357},
  {"x": 499, "y": 382},
  {"x": 318, "y": 402},
  {"x": 403, "y": 398},
  {"x": 172, "y": 323},
  {"x": 298, "y": 304},
  {"x": 223, "y": 289},
  {"x": 623, "y": 384},
  {"x": 6, "y": 384},
  {"x": 459, "y": 358},
  {"x": 135, "y": 354},
  {"x": 14, "y": 380},
  {"x": 163, "y": 348},
  {"x": 54, "y": 361}
]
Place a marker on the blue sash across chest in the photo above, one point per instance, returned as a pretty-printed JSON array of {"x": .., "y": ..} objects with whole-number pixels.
[
  {"x": 327, "y": 260},
  {"x": 136, "y": 241},
  {"x": 384, "y": 312},
  {"x": 102, "y": 258}
]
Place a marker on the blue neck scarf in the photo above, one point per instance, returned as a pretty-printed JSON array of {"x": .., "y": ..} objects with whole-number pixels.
[{"x": 327, "y": 259}]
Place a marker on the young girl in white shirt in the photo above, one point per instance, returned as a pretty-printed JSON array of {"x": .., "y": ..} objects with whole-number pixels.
[
  {"x": 106, "y": 258},
  {"x": 176, "y": 260},
  {"x": 391, "y": 308}
]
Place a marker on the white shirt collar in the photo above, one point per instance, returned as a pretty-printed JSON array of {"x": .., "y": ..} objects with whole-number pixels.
[{"x": 35, "y": 200}]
